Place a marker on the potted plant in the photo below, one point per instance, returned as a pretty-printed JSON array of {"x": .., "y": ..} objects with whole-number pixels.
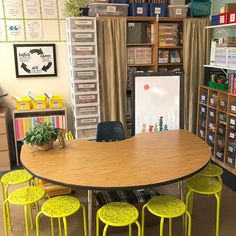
[
  {"x": 42, "y": 136},
  {"x": 76, "y": 8}
]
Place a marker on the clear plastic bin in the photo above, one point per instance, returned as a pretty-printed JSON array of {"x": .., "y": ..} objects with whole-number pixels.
[
  {"x": 81, "y": 24},
  {"x": 90, "y": 110},
  {"x": 177, "y": 10},
  {"x": 86, "y": 133},
  {"x": 83, "y": 50},
  {"x": 108, "y": 9},
  {"x": 87, "y": 121},
  {"x": 86, "y": 87},
  {"x": 85, "y": 75},
  {"x": 82, "y": 37},
  {"x": 83, "y": 99},
  {"x": 83, "y": 63},
  {"x": 176, "y": 2}
]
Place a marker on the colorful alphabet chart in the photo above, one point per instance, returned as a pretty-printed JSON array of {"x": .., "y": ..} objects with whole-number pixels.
[{"x": 32, "y": 21}]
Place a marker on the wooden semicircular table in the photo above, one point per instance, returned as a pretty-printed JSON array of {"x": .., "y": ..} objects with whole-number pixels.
[{"x": 145, "y": 160}]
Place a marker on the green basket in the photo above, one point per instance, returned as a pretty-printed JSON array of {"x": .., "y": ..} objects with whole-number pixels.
[
  {"x": 221, "y": 86},
  {"x": 200, "y": 8},
  {"x": 212, "y": 84}
]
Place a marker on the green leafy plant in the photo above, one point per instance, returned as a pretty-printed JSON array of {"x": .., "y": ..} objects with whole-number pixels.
[
  {"x": 42, "y": 134},
  {"x": 73, "y": 7}
]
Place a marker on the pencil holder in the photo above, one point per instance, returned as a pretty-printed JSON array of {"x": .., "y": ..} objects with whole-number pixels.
[
  {"x": 158, "y": 9},
  {"x": 138, "y": 9}
]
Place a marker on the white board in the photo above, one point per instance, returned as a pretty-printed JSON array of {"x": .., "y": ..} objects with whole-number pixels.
[{"x": 157, "y": 103}]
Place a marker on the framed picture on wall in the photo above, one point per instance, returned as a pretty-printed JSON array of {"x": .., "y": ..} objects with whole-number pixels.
[{"x": 35, "y": 60}]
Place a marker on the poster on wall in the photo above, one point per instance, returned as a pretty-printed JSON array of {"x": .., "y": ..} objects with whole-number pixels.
[
  {"x": 157, "y": 103},
  {"x": 35, "y": 60}
]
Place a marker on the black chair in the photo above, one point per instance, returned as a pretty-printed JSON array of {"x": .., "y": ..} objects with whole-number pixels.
[{"x": 110, "y": 131}]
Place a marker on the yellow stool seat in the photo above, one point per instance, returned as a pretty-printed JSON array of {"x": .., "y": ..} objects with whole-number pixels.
[
  {"x": 26, "y": 195},
  {"x": 211, "y": 170},
  {"x": 16, "y": 177},
  {"x": 204, "y": 185},
  {"x": 22, "y": 196},
  {"x": 60, "y": 207},
  {"x": 166, "y": 206},
  {"x": 118, "y": 214}
]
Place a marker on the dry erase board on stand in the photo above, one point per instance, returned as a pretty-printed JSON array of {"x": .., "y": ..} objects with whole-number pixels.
[{"x": 157, "y": 102}]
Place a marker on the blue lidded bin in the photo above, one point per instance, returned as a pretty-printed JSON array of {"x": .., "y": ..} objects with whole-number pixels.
[
  {"x": 215, "y": 19},
  {"x": 138, "y": 9},
  {"x": 158, "y": 9}
]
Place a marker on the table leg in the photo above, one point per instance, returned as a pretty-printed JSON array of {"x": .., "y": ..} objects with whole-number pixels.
[
  {"x": 181, "y": 195},
  {"x": 90, "y": 212}
]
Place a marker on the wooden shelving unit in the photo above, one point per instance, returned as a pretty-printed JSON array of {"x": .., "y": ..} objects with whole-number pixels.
[{"x": 216, "y": 124}]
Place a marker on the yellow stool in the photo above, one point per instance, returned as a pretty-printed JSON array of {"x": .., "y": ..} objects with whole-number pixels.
[
  {"x": 207, "y": 186},
  {"x": 23, "y": 196},
  {"x": 13, "y": 178},
  {"x": 117, "y": 214},
  {"x": 60, "y": 207},
  {"x": 166, "y": 207}
]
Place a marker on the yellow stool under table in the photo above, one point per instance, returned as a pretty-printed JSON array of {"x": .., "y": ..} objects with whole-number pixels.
[
  {"x": 61, "y": 207},
  {"x": 206, "y": 186},
  {"x": 14, "y": 178},
  {"x": 117, "y": 214},
  {"x": 23, "y": 196},
  {"x": 166, "y": 207}
]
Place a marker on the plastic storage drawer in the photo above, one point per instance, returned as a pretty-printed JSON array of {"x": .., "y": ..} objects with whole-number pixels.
[
  {"x": 108, "y": 9},
  {"x": 85, "y": 87},
  {"x": 83, "y": 111},
  {"x": 232, "y": 107},
  {"x": 232, "y": 122},
  {"x": 82, "y": 37},
  {"x": 230, "y": 160},
  {"x": 222, "y": 118},
  {"x": 223, "y": 104},
  {"x": 85, "y": 75},
  {"x": 86, "y": 133},
  {"x": 232, "y": 148},
  {"x": 83, "y": 63},
  {"x": 78, "y": 50},
  {"x": 87, "y": 121},
  {"x": 202, "y": 133},
  {"x": 177, "y": 10},
  {"x": 212, "y": 114},
  {"x": 203, "y": 111},
  {"x": 203, "y": 98},
  {"x": 220, "y": 155},
  {"x": 83, "y": 99},
  {"x": 210, "y": 138},
  {"x": 81, "y": 24},
  {"x": 176, "y": 2},
  {"x": 221, "y": 131}
]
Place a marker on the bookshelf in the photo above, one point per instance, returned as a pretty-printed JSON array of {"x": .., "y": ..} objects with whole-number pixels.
[{"x": 25, "y": 120}]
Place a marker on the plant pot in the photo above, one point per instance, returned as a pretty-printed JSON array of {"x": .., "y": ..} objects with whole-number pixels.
[{"x": 45, "y": 147}]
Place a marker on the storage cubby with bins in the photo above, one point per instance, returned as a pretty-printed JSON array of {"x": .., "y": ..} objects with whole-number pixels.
[
  {"x": 83, "y": 66},
  {"x": 217, "y": 125}
]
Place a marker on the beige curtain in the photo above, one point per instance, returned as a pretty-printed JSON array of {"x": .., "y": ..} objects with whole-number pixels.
[
  {"x": 112, "y": 62},
  {"x": 196, "y": 53}
]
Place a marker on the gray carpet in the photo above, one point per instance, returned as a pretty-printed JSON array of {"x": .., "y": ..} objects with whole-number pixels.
[{"x": 203, "y": 219}]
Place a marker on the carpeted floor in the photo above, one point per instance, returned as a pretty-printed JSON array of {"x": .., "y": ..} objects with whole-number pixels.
[{"x": 203, "y": 219}]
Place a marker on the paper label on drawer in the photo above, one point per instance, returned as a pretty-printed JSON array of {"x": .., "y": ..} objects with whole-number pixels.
[
  {"x": 86, "y": 97},
  {"x": 212, "y": 113},
  {"x": 90, "y": 120},
  {"x": 83, "y": 36},
  {"x": 131, "y": 24},
  {"x": 139, "y": 10},
  {"x": 157, "y": 10},
  {"x": 212, "y": 101},
  {"x": 230, "y": 149},
  {"x": 218, "y": 154},
  {"x": 84, "y": 48},
  {"x": 23, "y": 105},
  {"x": 83, "y": 86},
  {"x": 86, "y": 61},
  {"x": 83, "y": 22},
  {"x": 111, "y": 9},
  {"x": 85, "y": 73},
  {"x": 221, "y": 117},
  {"x": 222, "y": 19},
  {"x": 210, "y": 137},
  {"x": 87, "y": 109},
  {"x": 39, "y": 104},
  {"x": 221, "y": 131},
  {"x": 203, "y": 109},
  {"x": 231, "y": 135},
  {"x": 220, "y": 142},
  {"x": 210, "y": 125},
  {"x": 230, "y": 160},
  {"x": 178, "y": 11},
  {"x": 222, "y": 103},
  {"x": 233, "y": 108},
  {"x": 203, "y": 97},
  {"x": 232, "y": 121}
]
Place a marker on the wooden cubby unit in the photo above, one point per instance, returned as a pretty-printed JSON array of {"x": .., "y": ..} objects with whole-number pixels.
[{"x": 216, "y": 124}]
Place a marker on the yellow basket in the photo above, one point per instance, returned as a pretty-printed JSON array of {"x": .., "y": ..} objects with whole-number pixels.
[
  {"x": 23, "y": 104},
  {"x": 39, "y": 103},
  {"x": 55, "y": 102}
]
